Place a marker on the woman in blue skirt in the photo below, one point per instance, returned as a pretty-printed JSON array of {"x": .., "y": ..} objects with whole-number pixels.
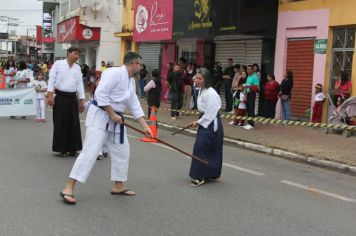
[{"x": 210, "y": 137}]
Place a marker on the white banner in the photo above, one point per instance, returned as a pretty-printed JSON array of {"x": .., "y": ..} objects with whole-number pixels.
[{"x": 18, "y": 102}]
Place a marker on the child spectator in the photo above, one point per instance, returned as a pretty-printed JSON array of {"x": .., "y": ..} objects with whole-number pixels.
[
  {"x": 41, "y": 88},
  {"x": 241, "y": 110},
  {"x": 319, "y": 98},
  {"x": 154, "y": 90}
]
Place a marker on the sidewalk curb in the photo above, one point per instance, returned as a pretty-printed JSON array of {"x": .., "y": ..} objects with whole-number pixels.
[{"x": 272, "y": 151}]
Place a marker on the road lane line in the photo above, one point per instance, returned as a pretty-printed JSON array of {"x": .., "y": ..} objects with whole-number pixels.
[
  {"x": 224, "y": 163},
  {"x": 243, "y": 169},
  {"x": 318, "y": 191}
]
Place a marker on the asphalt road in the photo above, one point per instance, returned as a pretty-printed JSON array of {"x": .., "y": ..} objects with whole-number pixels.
[{"x": 258, "y": 195}]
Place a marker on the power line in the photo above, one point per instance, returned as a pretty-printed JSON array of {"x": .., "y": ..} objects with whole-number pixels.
[{"x": 19, "y": 10}]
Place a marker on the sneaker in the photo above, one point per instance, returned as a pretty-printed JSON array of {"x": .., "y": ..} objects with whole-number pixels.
[
  {"x": 173, "y": 118},
  {"x": 38, "y": 120},
  {"x": 248, "y": 127},
  {"x": 105, "y": 154},
  {"x": 232, "y": 123},
  {"x": 43, "y": 120},
  {"x": 100, "y": 157}
]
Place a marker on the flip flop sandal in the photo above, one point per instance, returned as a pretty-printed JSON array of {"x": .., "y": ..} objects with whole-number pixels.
[
  {"x": 197, "y": 182},
  {"x": 125, "y": 192},
  {"x": 65, "y": 200}
]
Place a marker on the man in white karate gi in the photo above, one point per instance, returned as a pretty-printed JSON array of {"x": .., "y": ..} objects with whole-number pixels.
[{"x": 115, "y": 92}]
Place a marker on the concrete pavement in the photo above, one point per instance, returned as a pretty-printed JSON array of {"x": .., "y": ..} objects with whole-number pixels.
[{"x": 259, "y": 194}]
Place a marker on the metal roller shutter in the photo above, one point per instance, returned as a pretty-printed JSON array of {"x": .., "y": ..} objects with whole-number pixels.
[
  {"x": 151, "y": 54},
  {"x": 300, "y": 60},
  {"x": 242, "y": 52}
]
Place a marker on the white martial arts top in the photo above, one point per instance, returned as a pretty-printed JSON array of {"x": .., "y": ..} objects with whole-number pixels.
[
  {"x": 66, "y": 79},
  {"x": 117, "y": 90},
  {"x": 25, "y": 74},
  {"x": 209, "y": 103}
]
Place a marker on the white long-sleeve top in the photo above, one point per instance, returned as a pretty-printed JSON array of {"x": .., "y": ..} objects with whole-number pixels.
[
  {"x": 149, "y": 86},
  {"x": 118, "y": 90},
  {"x": 66, "y": 79},
  {"x": 209, "y": 103}
]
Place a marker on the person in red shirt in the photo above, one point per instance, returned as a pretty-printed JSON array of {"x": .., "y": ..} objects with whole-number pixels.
[
  {"x": 271, "y": 96},
  {"x": 343, "y": 89}
]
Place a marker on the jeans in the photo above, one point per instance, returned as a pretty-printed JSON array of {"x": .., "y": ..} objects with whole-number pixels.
[
  {"x": 286, "y": 111},
  {"x": 142, "y": 85},
  {"x": 228, "y": 98},
  {"x": 270, "y": 108},
  {"x": 250, "y": 105}
]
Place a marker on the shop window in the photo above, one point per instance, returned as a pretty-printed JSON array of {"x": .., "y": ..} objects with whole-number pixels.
[
  {"x": 190, "y": 56},
  {"x": 343, "y": 46}
]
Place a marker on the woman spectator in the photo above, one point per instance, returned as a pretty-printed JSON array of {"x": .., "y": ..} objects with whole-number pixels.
[
  {"x": 10, "y": 72},
  {"x": 343, "y": 89},
  {"x": 285, "y": 94},
  {"x": 209, "y": 141},
  {"x": 271, "y": 96},
  {"x": 143, "y": 75}
]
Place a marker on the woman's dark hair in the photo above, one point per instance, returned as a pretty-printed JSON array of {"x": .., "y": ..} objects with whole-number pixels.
[
  {"x": 207, "y": 77},
  {"x": 237, "y": 66},
  {"x": 290, "y": 75},
  {"x": 244, "y": 68},
  {"x": 271, "y": 76},
  {"x": 22, "y": 65},
  {"x": 344, "y": 77},
  {"x": 155, "y": 73},
  {"x": 143, "y": 67},
  {"x": 8, "y": 64}
]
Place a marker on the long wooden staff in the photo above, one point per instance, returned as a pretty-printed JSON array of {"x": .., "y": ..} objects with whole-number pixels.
[
  {"x": 182, "y": 129},
  {"x": 169, "y": 145}
]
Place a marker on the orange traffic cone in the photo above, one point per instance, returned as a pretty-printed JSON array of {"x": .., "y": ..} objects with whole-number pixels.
[{"x": 152, "y": 123}]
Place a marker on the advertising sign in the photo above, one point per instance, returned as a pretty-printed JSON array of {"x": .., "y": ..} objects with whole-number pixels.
[
  {"x": 18, "y": 102},
  {"x": 153, "y": 20}
]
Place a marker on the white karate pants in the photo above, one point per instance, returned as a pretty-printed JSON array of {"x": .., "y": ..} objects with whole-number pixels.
[
  {"x": 94, "y": 140},
  {"x": 40, "y": 107}
]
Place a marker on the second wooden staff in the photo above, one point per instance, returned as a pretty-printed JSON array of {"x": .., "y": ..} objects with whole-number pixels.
[{"x": 169, "y": 145}]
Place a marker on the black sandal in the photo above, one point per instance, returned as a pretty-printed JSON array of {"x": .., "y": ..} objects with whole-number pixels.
[
  {"x": 197, "y": 182},
  {"x": 65, "y": 200}
]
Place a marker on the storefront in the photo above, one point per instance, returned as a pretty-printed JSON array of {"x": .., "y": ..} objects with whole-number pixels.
[
  {"x": 72, "y": 33},
  {"x": 295, "y": 52}
]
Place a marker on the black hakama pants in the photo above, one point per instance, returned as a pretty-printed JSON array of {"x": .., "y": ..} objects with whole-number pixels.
[
  {"x": 66, "y": 135},
  {"x": 209, "y": 147}
]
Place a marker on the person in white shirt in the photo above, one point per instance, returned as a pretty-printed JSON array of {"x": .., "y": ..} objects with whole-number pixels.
[
  {"x": 24, "y": 76},
  {"x": 24, "y": 79},
  {"x": 209, "y": 141},
  {"x": 65, "y": 80},
  {"x": 115, "y": 92},
  {"x": 41, "y": 88}
]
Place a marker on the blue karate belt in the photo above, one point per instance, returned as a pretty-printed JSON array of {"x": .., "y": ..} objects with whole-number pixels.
[{"x": 122, "y": 126}]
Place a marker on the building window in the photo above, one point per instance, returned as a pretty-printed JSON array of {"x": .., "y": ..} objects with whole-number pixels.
[{"x": 343, "y": 47}]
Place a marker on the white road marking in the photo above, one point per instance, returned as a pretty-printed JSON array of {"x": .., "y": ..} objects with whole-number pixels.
[
  {"x": 224, "y": 163},
  {"x": 318, "y": 191},
  {"x": 243, "y": 169}
]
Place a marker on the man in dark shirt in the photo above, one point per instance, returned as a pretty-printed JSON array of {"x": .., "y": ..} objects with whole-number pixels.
[
  {"x": 218, "y": 74},
  {"x": 228, "y": 76},
  {"x": 176, "y": 88}
]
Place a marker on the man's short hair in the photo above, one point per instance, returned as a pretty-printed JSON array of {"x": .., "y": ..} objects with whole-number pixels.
[
  {"x": 230, "y": 59},
  {"x": 131, "y": 57},
  {"x": 73, "y": 49},
  {"x": 155, "y": 73}
]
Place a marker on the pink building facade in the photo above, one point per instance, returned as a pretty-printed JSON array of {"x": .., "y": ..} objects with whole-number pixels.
[{"x": 301, "y": 25}]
